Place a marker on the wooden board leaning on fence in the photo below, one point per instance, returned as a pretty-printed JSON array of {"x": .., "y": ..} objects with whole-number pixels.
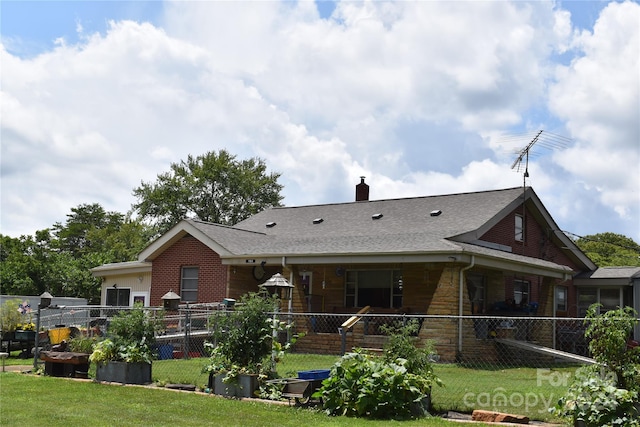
[{"x": 348, "y": 324}]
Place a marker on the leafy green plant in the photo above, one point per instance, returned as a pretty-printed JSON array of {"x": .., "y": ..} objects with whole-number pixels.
[
  {"x": 362, "y": 385},
  {"x": 244, "y": 338},
  {"x": 595, "y": 399},
  {"x": 606, "y": 393},
  {"x": 103, "y": 351},
  {"x": 82, "y": 344},
  {"x": 10, "y": 316},
  {"x": 402, "y": 344},
  {"x": 131, "y": 335},
  {"x": 609, "y": 334}
]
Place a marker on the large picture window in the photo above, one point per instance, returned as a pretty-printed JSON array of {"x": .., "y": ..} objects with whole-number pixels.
[
  {"x": 377, "y": 288},
  {"x": 189, "y": 284}
]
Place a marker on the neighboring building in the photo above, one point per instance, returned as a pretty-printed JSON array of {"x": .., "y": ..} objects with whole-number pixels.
[
  {"x": 610, "y": 286},
  {"x": 500, "y": 250}
]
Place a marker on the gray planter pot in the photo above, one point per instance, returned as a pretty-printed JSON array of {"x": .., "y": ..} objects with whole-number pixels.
[
  {"x": 123, "y": 372},
  {"x": 245, "y": 386},
  {"x": 423, "y": 407}
]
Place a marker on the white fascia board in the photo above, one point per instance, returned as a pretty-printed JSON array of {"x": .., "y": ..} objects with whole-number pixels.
[
  {"x": 342, "y": 258},
  {"x": 557, "y": 272},
  {"x": 176, "y": 233},
  {"x": 121, "y": 268}
]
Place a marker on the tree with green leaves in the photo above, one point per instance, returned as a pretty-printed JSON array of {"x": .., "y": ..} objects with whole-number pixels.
[
  {"x": 610, "y": 249},
  {"x": 59, "y": 260},
  {"x": 214, "y": 187}
]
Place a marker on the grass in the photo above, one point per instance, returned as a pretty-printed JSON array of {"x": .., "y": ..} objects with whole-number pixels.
[
  {"x": 189, "y": 371},
  {"x": 524, "y": 391},
  {"x": 67, "y": 403}
]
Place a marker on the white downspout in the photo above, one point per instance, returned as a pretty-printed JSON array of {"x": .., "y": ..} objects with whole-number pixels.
[{"x": 460, "y": 301}]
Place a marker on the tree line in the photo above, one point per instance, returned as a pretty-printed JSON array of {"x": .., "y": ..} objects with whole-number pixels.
[{"x": 214, "y": 187}]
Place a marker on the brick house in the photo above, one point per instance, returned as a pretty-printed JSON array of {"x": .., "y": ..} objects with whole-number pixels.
[{"x": 488, "y": 252}]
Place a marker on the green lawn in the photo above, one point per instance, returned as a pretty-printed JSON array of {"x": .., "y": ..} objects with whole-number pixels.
[
  {"x": 513, "y": 390},
  {"x": 525, "y": 391},
  {"x": 40, "y": 400}
]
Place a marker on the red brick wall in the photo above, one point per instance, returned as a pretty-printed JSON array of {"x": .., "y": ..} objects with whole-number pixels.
[
  {"x": 188, "y": 252},
  {"x": 537, "y": 244}
]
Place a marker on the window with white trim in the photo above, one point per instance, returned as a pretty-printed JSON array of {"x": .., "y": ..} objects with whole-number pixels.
[
  {"x": 519, "y": 228},
  {"x": 561, "y": 298},
  {"x": 189, "y": 284}
]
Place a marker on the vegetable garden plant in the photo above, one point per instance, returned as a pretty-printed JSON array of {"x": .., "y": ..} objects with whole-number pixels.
[
  {"x": 396, "y": 385},
  {"x": 607, "y": 393},
  {"x": 131, "y": 336},
  {"x": 243, "y": 339}
]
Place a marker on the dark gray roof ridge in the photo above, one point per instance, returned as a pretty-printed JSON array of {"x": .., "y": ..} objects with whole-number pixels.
[{"x": 397, "y": 198}]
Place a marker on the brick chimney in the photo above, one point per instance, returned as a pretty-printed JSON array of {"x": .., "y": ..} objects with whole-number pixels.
[{"x": 362, "y": 191}]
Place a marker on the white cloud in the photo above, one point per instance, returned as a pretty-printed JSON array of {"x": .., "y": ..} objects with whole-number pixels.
[
  {"x": 411, "y": 95},
  {"x": 598, "y": 95}
]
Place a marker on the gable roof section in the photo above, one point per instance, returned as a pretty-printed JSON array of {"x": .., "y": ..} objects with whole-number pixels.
[
  {"x": 223, "y": 240},
  {"x": 539, "y": 212}
]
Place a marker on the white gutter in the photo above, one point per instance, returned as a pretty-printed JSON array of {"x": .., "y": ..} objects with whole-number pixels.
[{"x": 460, "y": 301}]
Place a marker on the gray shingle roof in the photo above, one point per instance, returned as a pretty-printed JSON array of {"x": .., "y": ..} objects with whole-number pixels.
[
  {"x": 461, "y": 213},
  {"x": 405, "y": 228},
  {"x": 612, "y": 273},
  {"x": 406, "y": 225}
]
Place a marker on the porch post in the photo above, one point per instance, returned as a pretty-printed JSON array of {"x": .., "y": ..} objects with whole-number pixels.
[{"x": 461, "y": 301}]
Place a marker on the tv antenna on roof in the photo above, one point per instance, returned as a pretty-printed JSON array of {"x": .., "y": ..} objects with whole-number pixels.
[{"x": 542, "y": 139}]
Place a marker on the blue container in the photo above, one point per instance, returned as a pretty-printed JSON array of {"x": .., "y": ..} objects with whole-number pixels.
[
  {"x": 316, "y": 374},
  {"x": 165, "y": 351}
]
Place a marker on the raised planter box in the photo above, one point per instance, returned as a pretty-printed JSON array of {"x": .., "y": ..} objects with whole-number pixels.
[
  {"x": 25, "y": 335},
  {"x": 9, "y": 336},
  {"x": 123, "y": 372},
  {"x": 245, "y": 386},
  {"x": 65, "y": 364}
]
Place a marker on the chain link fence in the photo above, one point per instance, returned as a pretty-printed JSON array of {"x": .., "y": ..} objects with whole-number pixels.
[{"x": 520, "y": 365}]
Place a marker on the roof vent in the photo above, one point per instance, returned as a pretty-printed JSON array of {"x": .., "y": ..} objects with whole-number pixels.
[
  {"x": 318, "y": 220},
  {"x": 271, "y": 224},
  {"x": 437, "y": 212},
  {"x": 376, "y": 216}
]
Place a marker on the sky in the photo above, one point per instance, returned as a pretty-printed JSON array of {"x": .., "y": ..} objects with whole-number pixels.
[{"x": 422, "y": 98}]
